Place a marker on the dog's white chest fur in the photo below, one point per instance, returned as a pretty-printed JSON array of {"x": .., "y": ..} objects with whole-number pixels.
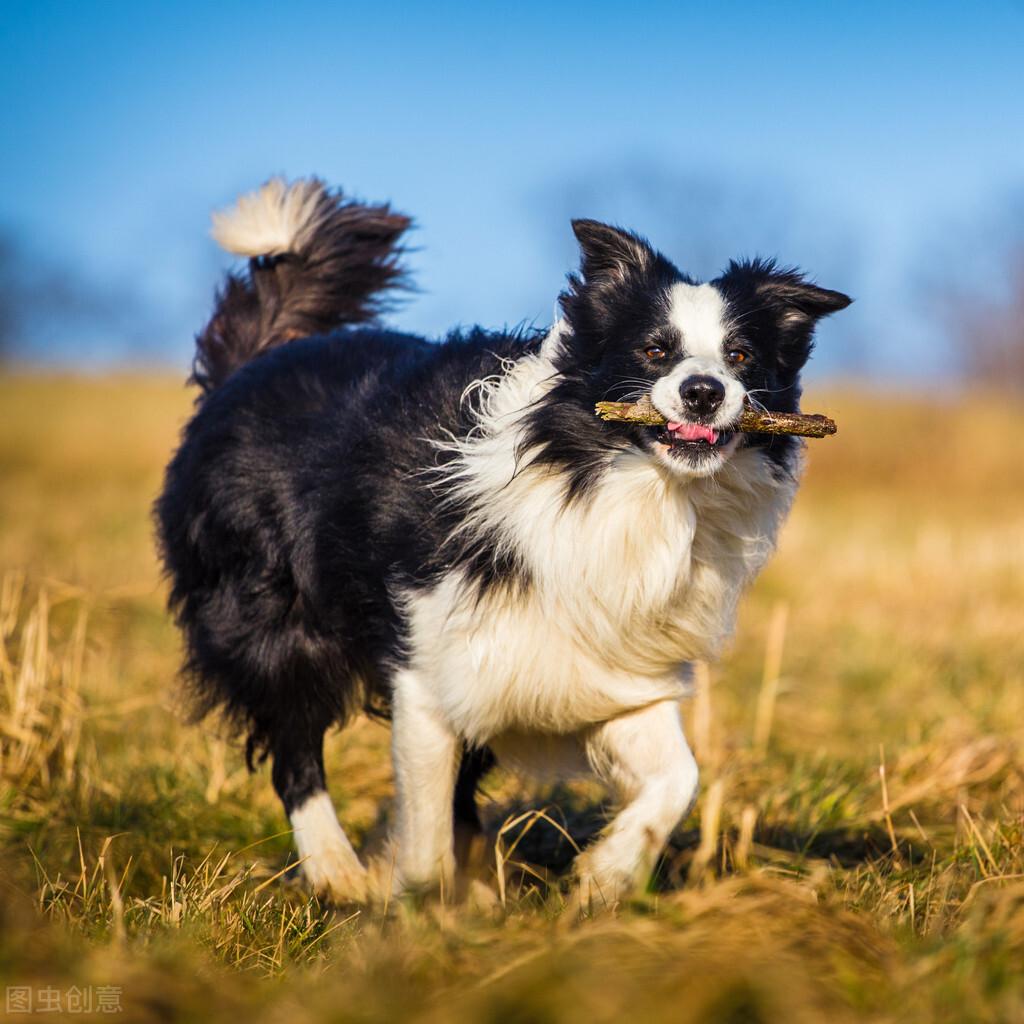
[{"x": 624, "y": 586}]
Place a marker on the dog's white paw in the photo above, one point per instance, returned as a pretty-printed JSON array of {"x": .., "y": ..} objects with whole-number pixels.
[
  {"x": 329, "y": 863},
  {"x": 598, "y": 887},
  {"x": 336, "y": 875}
]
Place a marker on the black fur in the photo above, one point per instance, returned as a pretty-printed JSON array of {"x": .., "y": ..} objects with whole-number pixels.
[{"x": 302, "y": 493}]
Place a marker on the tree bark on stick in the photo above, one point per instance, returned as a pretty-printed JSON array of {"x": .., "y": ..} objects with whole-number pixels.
[{"x": 752, "y": 421}]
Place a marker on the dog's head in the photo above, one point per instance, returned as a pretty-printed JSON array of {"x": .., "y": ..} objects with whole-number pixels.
[{"x": 635, "y": 325}]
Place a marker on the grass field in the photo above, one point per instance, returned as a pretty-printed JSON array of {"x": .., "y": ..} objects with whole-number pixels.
[{"x": 857, "y": 852}]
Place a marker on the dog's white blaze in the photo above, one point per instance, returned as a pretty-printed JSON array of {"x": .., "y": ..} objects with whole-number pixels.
[
  {"x": 275, "y": 219},
  {"x": 699, "y": 313},
  {"x": 328, "y": 860}
]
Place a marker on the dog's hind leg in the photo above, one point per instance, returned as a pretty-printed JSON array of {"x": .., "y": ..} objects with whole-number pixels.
[
  {"x": 425, "y": 752},
  {"x": 329, "y": 862},
  {"x": 643, "y": 756},
  {"x": 475, "y": 764}
]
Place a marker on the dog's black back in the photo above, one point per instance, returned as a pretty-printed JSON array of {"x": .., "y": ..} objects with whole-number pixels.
[{"x": 297, "y": 492}]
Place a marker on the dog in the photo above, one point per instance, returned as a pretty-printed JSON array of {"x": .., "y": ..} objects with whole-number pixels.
[{"x": 445, "y": 533}]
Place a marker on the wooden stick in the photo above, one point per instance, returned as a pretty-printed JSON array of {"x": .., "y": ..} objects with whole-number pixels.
[{"x": 752, "y": 421}]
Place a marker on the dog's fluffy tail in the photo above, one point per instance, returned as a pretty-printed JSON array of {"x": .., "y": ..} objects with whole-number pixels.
[{"x": 317, "y": 261}]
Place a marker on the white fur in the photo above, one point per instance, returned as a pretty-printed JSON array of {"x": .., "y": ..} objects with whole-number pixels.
[
  {"x": 620, "y": 601},
  {"x": 424, "y": 752},
  {"x": 275, "y": 219},
  {"x": 328, "y": 860},
  {"x": 552, "y": 344},
  {"x": 627, "y": 588},
  {"x": 698, "y": 312}
]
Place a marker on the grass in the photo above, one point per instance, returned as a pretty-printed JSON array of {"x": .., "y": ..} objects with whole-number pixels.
[{"x": 857, "y": 852}]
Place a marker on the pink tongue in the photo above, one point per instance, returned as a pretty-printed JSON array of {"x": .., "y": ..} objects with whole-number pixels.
[{"x": 692, "y": 432}]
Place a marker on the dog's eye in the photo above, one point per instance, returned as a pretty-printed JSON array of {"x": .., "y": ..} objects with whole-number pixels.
[
  {"x": 655, "y": 352},
  {"x": 737, "y": 355}
]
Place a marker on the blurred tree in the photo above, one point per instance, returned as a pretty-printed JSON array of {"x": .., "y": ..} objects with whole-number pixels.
[
  {"x": 9, "y": 309},
  {"x": 970, "y": 289},
  {"x": 51, "y": 311},
  {"x": 988, "y": 330},
  {"x": 34, "y": 294}
]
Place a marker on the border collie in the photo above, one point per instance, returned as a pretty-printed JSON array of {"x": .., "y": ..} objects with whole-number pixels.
[{"x": 446, "y": 533}]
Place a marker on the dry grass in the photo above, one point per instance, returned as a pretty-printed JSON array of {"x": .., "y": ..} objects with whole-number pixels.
[{"x": 857, "y": 851}]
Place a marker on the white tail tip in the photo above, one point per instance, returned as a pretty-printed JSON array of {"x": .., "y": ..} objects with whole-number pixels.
[{"x": 275, "y": 219}]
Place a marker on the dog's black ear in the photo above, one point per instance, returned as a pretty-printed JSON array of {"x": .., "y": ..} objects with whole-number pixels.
[
  {"x": 798, "y": 305},
  {"x": 792, "y": 302},
  {"x": 610, "y": 252},
  {"x": 797, "y": 301}
]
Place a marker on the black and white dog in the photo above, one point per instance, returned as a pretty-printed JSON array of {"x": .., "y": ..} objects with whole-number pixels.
[{"x": 446, "y": 531}]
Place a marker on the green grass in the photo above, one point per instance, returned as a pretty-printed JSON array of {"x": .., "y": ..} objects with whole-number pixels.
[{"x": 139, "y": 853}]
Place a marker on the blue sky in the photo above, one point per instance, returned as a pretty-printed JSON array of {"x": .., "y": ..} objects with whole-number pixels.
[{"x": 870, "y": 143}]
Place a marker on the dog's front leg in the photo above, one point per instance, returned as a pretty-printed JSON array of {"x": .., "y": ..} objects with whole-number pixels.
[
  {"x": 645, "y": 758},
  {"x": 425, "y": 754}
]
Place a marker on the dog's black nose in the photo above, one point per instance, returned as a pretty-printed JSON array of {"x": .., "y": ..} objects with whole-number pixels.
[{"x": 702, "y": 396}]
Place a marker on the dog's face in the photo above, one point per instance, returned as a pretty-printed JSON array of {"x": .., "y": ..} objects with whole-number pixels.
[{"x": 638, "y": 326}]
